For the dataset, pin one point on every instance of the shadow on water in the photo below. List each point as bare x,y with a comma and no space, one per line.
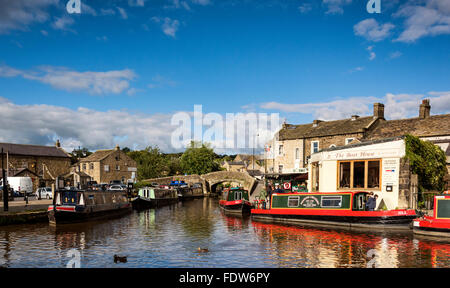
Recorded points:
171,237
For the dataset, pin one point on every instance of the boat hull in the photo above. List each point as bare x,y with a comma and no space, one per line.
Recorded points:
396,219
145,203
67,214
236,207
430,226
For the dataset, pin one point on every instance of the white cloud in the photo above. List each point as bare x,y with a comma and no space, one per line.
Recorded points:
169,26
395,54
372,54
201,2
397,106
109,82
430,19
160,81
356,69
62,23
305,8
107,12
335,6
20,14
43,124
371,30
138,3
123,13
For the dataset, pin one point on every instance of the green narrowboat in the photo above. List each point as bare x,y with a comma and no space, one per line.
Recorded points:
333,208
152,197
236,201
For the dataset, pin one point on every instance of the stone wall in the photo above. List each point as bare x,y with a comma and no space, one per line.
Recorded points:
404,185
46,168
118,163
327,141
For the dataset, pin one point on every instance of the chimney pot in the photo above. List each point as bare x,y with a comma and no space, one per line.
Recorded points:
57,144
424,109
378,110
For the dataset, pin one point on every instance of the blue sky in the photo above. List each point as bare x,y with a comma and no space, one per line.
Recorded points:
146,60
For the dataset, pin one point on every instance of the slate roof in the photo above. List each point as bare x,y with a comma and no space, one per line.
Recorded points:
97,156
326,128
421,127
33,150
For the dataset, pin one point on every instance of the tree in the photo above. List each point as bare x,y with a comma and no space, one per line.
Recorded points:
79,153
428,161
150,162
199,159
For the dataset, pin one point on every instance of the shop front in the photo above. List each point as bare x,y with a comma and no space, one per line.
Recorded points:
374,166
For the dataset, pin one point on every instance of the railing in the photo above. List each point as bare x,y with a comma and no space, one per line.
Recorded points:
427,198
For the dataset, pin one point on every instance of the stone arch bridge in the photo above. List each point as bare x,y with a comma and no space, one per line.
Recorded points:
210,180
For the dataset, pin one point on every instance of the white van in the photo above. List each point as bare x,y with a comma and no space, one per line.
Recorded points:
21,184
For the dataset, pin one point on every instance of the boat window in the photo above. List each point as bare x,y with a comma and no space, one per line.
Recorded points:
238,195
293,201
331,201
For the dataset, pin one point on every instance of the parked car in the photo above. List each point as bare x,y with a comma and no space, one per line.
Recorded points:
116,188
46,192
115,182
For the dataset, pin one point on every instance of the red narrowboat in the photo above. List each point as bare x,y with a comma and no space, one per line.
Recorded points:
439,223
331,209
236,201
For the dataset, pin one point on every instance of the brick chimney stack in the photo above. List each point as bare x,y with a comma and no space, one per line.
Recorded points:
378,110
117,147
424,110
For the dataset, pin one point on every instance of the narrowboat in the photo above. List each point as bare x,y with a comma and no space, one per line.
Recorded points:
439,223
345,209
235,201
186,192
152,197
70,206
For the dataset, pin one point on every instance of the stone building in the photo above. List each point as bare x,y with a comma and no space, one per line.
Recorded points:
105,166
42,163
378,166
290,149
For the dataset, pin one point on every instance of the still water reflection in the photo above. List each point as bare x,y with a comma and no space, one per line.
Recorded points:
170,237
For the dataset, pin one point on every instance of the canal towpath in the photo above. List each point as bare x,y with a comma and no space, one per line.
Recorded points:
19,212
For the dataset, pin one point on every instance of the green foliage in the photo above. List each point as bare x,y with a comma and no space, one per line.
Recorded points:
199,159
79,153
150,163
428,161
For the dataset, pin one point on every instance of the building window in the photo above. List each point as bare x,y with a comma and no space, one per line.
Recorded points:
280,150
359,174
91,166
314,146
297,153
117,168
106,168
84,166
280,169
348,140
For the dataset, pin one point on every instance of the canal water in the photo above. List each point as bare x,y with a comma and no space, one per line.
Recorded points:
170,237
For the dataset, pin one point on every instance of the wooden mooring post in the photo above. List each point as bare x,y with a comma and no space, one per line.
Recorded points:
5,186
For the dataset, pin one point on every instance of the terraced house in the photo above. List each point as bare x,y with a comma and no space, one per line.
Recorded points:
289,151
105,166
